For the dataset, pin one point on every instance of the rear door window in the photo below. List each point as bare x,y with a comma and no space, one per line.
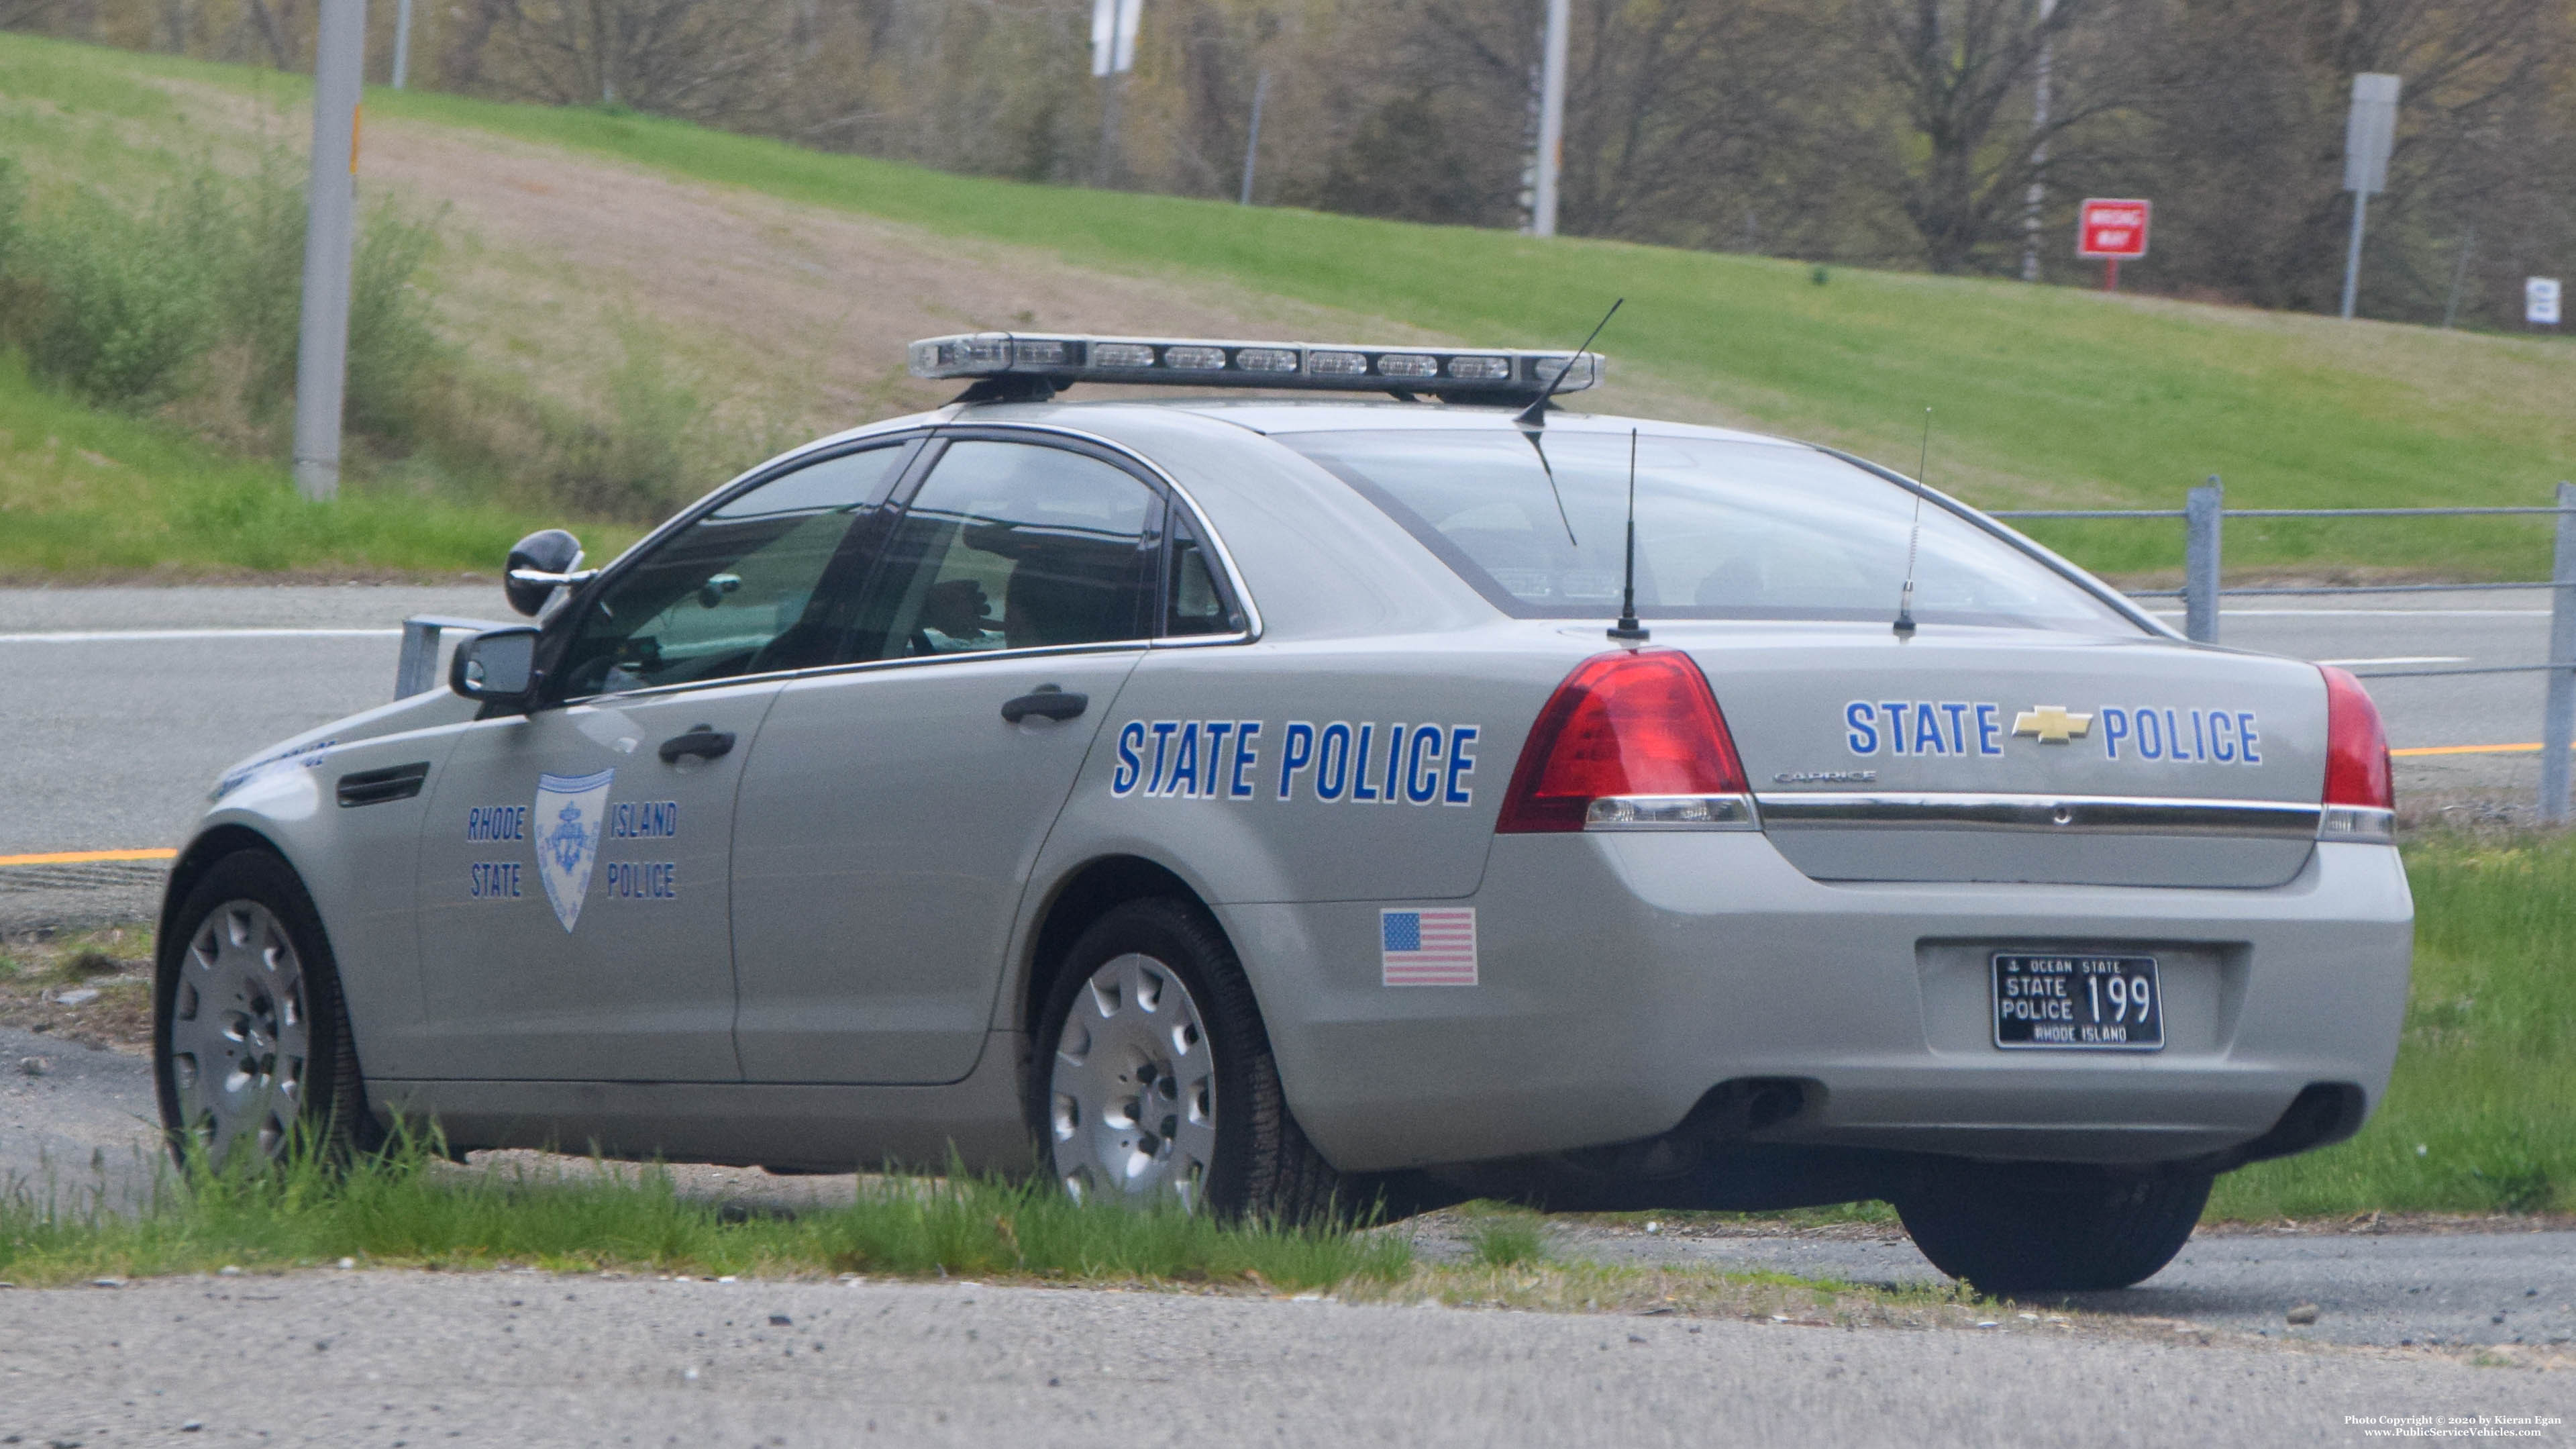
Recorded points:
1014,546
1725,529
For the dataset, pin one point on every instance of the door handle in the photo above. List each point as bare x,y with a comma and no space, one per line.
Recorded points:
704,741
1049,700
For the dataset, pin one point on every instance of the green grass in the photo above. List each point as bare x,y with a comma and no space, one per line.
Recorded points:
86,492
407,1209
2041,394
1505,1237
2478,1117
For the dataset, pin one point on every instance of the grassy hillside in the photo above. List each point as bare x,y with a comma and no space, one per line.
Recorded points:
2040,395
88,493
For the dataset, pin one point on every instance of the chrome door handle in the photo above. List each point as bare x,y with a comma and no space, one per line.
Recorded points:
1049,700
704,741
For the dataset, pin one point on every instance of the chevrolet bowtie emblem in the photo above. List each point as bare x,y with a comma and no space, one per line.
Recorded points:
2052,724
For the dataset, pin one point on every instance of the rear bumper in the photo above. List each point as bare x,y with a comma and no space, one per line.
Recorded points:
1621,977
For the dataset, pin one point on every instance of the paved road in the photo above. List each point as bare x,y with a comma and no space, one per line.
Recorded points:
520,1358
124,704
2391,1289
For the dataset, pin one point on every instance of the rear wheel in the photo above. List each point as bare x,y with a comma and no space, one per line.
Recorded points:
1155,1081
2005,1231
250,1038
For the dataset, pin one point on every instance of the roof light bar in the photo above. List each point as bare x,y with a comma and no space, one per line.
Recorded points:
1014,365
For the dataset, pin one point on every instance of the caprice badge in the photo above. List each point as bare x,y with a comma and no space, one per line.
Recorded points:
1826,777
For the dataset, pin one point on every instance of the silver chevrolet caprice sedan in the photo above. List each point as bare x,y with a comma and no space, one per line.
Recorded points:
1274,802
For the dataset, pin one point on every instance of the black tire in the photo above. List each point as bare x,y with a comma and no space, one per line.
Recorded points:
323,1093
1262,1168
2008,1231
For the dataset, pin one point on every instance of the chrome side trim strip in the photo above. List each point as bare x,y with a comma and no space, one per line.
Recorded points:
2082,814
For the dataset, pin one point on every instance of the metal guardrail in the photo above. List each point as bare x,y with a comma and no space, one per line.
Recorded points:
2204,516
417,669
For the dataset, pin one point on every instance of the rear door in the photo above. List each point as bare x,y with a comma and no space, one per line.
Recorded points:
892,809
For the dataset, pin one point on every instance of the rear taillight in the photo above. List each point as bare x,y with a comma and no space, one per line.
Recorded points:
2359,799
1632,740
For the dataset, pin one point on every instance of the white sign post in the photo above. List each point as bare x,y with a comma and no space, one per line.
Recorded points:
2540,301
1113,54
2369,133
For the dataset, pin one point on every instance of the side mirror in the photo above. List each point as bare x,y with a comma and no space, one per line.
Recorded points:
499,667
541,563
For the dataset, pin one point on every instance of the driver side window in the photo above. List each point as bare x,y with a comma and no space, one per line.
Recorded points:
740,591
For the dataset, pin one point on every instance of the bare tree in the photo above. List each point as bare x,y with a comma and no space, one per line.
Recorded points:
1961,71
682,57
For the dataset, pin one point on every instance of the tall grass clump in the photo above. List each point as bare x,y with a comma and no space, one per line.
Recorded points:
130,308
2477,1114
406,1206
1505,1238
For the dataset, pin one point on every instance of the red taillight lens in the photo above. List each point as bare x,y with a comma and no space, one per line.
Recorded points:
1633,722
2356,746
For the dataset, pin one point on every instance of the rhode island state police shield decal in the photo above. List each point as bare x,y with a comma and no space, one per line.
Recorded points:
570,809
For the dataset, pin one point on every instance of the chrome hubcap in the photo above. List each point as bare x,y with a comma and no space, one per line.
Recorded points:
1132,1095
238,1036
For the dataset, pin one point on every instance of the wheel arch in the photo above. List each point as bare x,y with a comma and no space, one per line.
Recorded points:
1085,894
200,856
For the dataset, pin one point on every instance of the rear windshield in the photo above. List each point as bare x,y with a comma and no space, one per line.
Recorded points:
1725,530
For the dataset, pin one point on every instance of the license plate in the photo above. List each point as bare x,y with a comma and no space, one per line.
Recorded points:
2078,1003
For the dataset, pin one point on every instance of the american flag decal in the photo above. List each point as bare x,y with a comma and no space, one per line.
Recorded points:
1427,948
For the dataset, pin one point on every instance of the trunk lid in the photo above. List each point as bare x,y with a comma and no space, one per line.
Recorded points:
1980,754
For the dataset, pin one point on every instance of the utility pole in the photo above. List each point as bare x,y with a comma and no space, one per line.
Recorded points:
1551,118
2038,192
1113,54
2369,131
1252,143
402,42
331,204
2459,277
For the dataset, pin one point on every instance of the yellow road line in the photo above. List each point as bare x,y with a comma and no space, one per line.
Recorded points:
87,857
2530,749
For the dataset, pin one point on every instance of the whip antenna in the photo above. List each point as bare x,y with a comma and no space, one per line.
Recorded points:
1914,534
1535,415
1628,630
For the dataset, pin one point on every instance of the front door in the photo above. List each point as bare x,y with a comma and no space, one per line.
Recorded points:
893,808
575,894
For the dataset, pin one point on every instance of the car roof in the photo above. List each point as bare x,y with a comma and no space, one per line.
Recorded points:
1270,416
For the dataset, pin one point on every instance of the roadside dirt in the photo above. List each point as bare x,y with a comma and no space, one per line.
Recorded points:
789,319
87,988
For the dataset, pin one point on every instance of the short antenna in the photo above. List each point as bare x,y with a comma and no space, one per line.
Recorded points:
1535,415
1914,534
1628,630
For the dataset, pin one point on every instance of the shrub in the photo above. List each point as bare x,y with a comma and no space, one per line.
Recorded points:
116,306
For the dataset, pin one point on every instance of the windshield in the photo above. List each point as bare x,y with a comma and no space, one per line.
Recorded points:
1725,530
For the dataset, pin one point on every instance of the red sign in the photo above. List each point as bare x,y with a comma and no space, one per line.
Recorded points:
2114,229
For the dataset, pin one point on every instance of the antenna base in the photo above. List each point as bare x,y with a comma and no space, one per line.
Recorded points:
1628,631
1905,626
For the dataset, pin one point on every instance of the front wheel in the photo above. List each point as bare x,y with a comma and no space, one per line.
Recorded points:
250,1041
2004,1232
1154,1080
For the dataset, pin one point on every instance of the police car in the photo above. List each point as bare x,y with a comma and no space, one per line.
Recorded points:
1269,801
